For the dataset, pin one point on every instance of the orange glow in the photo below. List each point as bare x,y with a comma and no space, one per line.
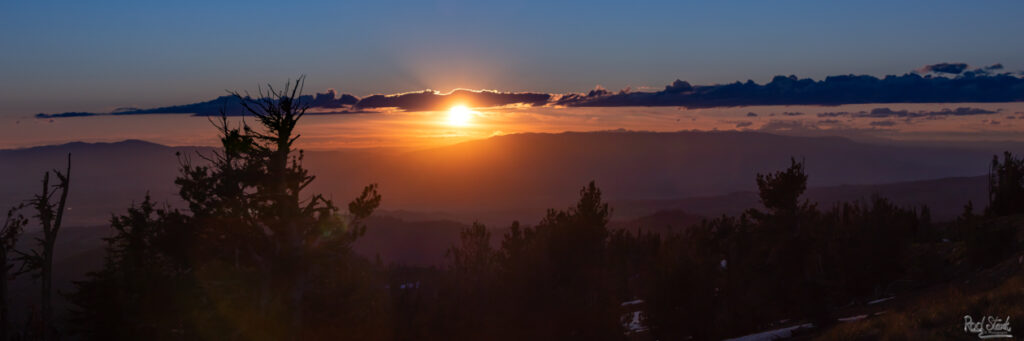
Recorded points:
414,130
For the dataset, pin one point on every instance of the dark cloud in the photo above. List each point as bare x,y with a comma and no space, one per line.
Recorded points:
821,129
886,112
994,67
978,85
950,68
678,87
984,71
330,99
792,114
429,100
743,124
886,123
841,114
65,114
833,90
331,102
124,109
230,105
781,126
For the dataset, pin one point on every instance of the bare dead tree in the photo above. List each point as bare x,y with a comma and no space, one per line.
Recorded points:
50,217
278,111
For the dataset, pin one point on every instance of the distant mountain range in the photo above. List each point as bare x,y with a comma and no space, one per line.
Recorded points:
500,179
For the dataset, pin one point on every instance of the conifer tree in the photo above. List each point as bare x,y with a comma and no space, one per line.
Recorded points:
12,228
249,203
1005,186
254,257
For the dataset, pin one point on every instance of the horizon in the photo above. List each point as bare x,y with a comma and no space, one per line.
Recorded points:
899,123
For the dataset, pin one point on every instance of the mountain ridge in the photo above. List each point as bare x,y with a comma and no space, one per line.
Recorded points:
514,176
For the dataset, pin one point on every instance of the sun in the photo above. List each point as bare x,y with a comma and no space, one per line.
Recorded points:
460,115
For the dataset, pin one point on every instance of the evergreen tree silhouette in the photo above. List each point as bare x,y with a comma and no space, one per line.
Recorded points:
14,223
253,188
1005,186
254,243
780,192
558,271
146,288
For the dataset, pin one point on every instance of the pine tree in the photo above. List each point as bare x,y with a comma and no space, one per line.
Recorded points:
1005,186
249,202
12,228
267,256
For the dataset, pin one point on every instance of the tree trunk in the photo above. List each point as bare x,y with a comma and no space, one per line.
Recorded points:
4,302
296,279
298,291
46,315
50,241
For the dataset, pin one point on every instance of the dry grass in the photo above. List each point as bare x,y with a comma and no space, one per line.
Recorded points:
939,316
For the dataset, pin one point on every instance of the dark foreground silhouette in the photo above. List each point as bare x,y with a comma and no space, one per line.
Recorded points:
254,257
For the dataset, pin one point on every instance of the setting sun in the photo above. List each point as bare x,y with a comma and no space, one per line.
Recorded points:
459,115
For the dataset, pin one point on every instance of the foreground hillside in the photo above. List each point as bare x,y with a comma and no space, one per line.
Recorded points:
938,311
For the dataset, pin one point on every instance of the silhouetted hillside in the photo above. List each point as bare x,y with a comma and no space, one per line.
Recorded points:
421,243
503,178
109,176
945,197
666,221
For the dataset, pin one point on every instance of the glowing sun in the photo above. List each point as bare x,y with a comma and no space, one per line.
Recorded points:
460,115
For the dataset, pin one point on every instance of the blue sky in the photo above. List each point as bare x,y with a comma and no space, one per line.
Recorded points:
78,56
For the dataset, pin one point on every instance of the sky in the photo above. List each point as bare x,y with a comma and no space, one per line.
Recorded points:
97,56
